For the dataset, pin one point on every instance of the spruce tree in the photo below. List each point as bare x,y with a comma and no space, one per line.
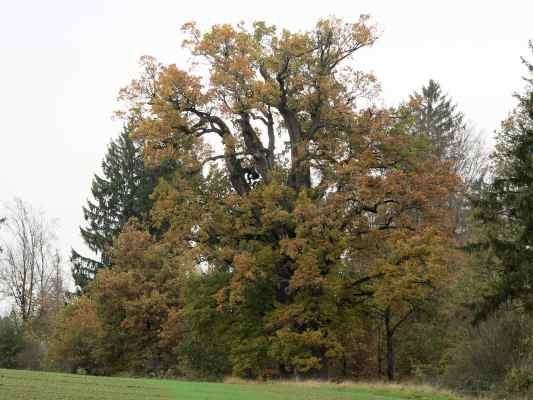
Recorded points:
505,209
438,117
122,192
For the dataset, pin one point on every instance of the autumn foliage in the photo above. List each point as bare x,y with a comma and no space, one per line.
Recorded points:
301,216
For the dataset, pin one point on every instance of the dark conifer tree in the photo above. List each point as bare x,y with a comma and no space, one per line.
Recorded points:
438,118
505,209
122,192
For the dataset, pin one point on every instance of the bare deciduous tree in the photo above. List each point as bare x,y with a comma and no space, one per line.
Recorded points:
470,155
28,264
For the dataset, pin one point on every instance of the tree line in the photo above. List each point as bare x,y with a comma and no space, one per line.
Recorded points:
270,220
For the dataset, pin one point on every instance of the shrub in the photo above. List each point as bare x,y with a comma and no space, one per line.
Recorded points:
76,342
11,342
493,356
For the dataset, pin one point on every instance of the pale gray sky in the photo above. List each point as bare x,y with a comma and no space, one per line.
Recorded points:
62,63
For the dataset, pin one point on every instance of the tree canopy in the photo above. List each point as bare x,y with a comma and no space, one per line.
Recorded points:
263,215
348,207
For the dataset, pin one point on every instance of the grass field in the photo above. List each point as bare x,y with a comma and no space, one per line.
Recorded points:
25,385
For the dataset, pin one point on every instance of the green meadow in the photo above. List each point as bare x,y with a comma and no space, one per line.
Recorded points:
26,385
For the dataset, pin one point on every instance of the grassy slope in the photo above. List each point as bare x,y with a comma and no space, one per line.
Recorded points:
18,385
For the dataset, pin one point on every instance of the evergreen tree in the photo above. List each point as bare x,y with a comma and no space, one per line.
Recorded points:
121,193
505,209
437,116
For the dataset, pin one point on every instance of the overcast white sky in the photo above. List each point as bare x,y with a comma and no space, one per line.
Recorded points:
62,63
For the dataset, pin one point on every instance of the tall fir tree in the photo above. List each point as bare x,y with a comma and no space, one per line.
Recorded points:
438,117
121,193
504,209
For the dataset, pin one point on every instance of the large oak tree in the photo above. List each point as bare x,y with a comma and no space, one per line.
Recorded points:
304,198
